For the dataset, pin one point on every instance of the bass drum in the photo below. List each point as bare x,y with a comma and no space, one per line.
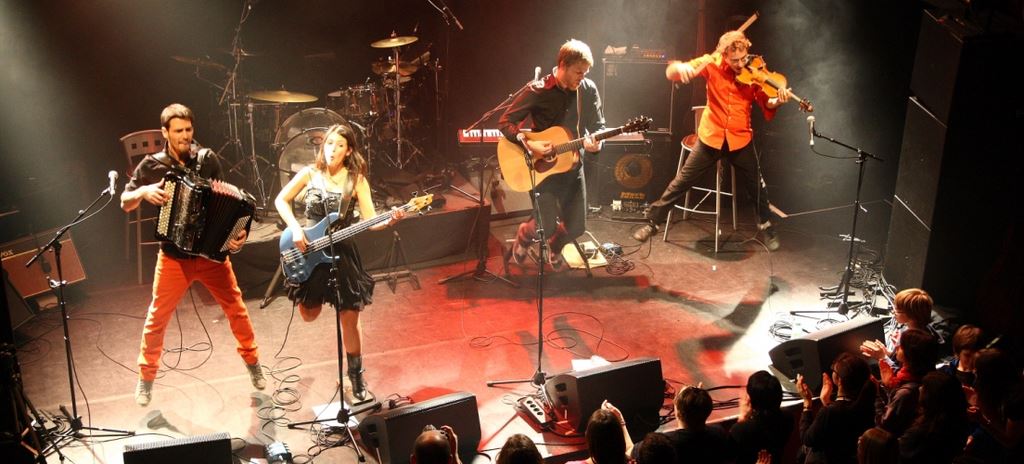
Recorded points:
301,135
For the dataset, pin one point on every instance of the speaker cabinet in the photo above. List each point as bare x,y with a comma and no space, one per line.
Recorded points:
812,354
391,434
631,88
632,173
636,387
211,449
31,281
960,168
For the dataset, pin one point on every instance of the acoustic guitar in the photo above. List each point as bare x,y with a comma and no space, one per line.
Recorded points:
516,167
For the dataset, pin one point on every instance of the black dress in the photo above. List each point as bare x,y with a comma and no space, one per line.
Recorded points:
355,285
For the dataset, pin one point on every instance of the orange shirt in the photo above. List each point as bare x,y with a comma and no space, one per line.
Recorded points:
727,116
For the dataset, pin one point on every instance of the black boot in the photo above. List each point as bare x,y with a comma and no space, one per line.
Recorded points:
355,376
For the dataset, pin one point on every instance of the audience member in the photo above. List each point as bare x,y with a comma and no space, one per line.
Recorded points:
1000,409
831,435
656,448
519,449
939,433
912,309
606,436
877,446
967,340
896,407
761,425
434,446
694,440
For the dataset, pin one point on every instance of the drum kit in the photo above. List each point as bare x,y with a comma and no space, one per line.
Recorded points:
285,123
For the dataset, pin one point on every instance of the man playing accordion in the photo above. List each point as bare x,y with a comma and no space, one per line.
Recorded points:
175,269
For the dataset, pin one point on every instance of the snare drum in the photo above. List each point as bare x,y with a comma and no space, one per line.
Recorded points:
357,101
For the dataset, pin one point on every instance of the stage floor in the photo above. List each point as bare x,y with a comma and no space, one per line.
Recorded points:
706,316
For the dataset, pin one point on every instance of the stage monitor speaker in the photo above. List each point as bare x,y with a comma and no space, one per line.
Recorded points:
213,448
812,354
636,387
631,88
31,281
391,434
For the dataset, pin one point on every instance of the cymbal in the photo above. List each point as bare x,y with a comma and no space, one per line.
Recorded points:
392,42
281,96
203,62
241,51
382,67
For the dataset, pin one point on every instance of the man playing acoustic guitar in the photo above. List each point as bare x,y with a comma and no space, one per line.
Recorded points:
565,98
724,131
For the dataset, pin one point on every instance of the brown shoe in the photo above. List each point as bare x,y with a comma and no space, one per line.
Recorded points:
645,232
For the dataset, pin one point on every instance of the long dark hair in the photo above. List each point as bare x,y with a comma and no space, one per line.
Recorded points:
354,162
941,400
604,438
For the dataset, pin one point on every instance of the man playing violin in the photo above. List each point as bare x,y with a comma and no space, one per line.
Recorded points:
724,132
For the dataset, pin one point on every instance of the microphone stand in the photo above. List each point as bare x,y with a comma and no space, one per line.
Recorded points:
843,289
58,285
344,413
539,377
481,255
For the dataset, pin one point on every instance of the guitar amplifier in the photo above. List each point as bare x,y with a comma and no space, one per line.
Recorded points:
630,173
631,87
31,281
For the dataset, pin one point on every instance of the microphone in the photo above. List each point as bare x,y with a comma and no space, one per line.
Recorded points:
536,73
810,126
113,180
521,137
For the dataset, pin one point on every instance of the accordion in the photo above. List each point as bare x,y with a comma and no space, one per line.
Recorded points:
202,216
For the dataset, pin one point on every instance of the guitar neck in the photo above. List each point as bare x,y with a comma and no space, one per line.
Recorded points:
577,144
324,242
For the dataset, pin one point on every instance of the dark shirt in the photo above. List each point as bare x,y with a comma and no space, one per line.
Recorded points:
546,105
153,168
762,431
710,445
895,410
937,442
832,433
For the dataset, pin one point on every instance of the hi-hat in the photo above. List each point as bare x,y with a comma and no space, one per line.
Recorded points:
282,96
392,42
382,67
201,62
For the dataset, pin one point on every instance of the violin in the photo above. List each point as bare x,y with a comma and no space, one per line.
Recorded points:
756,72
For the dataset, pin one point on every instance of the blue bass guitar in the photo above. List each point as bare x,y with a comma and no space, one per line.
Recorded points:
298,266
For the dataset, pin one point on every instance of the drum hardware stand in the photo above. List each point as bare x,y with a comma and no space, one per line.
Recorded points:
842,291
74,420
235,134
396,259
344,413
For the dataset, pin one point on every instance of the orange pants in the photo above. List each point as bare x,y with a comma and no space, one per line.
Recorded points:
171,279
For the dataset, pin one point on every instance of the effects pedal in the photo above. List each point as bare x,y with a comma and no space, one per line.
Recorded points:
534,410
